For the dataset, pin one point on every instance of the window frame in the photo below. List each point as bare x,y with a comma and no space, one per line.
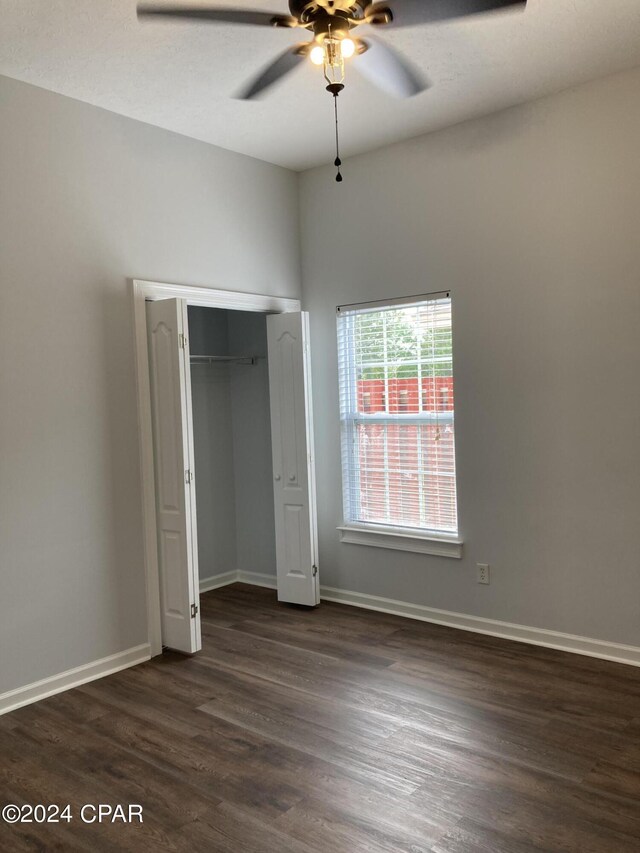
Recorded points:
413,539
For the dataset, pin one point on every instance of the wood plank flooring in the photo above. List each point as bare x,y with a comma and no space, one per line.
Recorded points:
336,730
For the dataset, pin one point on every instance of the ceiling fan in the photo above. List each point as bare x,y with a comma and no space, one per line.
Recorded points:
331,24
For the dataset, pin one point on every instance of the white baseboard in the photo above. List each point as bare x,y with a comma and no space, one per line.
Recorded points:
216,581
252,578
507,630
258,579
73,678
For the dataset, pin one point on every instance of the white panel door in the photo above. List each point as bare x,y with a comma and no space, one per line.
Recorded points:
293,464
173,455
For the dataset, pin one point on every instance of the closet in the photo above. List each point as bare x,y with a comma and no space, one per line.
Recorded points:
232,446
234,477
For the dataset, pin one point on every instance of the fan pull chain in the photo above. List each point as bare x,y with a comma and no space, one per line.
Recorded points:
335,89
337,162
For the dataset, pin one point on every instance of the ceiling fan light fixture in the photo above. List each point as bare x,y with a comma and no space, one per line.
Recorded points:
334,63
332,53
331,23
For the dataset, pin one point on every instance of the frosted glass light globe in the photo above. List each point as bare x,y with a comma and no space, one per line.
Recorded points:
347,47
317,55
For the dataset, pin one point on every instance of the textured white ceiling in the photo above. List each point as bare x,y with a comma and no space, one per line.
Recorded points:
182,76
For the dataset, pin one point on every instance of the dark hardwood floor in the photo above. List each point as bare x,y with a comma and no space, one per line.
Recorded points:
336,729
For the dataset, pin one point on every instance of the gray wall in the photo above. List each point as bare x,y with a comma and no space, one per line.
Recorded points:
531,218
255,525
208,332
90,198
214,469
213,443
232,443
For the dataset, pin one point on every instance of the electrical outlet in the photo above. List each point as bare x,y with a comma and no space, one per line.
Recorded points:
484,575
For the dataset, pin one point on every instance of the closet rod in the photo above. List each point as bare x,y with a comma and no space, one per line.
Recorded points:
211,359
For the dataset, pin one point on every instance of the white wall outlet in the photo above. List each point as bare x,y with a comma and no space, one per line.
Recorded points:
484,575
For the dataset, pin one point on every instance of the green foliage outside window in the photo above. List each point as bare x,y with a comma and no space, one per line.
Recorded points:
407,343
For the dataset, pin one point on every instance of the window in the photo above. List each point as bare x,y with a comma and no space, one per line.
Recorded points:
397,416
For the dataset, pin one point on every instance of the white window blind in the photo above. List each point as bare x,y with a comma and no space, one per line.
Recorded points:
397,414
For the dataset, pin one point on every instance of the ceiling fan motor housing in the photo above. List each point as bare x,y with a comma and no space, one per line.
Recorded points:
308,10
338,16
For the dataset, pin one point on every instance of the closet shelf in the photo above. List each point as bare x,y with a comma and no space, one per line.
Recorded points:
213,359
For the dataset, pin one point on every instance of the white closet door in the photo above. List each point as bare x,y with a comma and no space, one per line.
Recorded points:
293,465
175,492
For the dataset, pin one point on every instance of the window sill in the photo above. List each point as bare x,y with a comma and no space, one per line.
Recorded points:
402,540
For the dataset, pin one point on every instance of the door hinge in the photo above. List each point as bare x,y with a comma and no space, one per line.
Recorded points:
182,341
315,571
188,476
194,611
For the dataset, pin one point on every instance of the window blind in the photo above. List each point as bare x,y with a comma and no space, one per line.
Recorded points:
397,414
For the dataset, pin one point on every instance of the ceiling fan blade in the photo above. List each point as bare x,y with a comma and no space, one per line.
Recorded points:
388,70
408,13
212,13
275,71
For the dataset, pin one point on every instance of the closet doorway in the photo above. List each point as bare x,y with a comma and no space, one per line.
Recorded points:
229,439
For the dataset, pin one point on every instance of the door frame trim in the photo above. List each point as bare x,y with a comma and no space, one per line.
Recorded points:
209,297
